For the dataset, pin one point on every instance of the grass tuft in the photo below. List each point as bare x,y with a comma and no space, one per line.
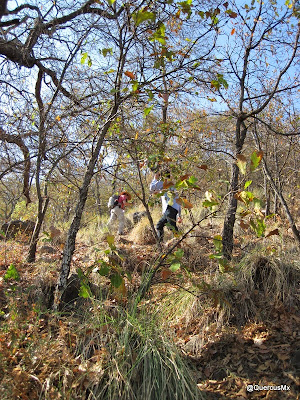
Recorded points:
138,361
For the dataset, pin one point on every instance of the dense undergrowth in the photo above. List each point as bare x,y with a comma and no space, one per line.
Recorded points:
198,333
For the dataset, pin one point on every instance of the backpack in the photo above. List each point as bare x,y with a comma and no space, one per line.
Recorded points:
113,201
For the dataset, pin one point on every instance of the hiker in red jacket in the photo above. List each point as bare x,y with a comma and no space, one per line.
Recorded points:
117,211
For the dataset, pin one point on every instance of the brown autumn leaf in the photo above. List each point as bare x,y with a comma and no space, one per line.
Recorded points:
243,225
185,203
184,177
167,184
238,196
129,74
203,166
273,232
165,273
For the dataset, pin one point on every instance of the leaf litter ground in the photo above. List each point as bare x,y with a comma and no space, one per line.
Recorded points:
226,357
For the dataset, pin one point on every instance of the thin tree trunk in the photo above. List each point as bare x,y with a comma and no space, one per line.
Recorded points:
230,217
278,193
98,197
267,196
42,207
36,233
280,197
75,225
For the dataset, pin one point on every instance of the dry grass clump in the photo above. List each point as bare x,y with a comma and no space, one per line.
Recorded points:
142,233
134,359
263,284
259,287
103,351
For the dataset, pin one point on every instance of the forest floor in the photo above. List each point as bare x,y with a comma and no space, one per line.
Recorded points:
226,355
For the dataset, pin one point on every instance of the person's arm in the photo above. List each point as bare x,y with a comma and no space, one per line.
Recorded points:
156,185
179,219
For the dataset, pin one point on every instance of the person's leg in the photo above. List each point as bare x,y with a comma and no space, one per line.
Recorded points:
171,215
121,217
160,227
112,218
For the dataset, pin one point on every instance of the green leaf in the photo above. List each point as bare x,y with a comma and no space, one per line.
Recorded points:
247,184
116,280
111,2
241,162
256,158
217,241
223,265
208,203
192,179
150,94
107,51
12,273
179,253
105,269
159,34
141,16
186,7
222,81
110,240
175,266
258,226
147,110
217,256
85,291
215,84
135,86
84,56
80,273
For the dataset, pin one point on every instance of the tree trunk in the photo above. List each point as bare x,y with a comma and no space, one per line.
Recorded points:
267,196
35,236
230,217
229,221
70,242
98,197
280,197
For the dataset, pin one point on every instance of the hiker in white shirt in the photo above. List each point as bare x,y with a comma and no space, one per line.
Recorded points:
171,210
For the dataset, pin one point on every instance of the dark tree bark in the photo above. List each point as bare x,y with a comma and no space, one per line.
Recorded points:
230,217
75,225
36,233
98,196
